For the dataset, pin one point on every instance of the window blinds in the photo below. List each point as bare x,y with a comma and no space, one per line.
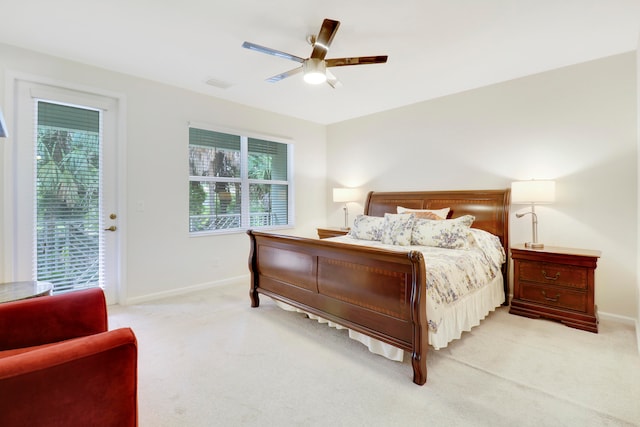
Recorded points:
237,181
68,196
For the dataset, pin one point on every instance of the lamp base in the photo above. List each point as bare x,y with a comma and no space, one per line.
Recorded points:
534,245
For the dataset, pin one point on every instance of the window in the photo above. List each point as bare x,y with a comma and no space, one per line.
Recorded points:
238,182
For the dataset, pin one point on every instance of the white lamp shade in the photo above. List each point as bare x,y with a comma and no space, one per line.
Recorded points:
534,191
315,71
344,195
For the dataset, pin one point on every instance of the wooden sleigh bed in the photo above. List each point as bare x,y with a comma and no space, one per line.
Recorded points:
376,292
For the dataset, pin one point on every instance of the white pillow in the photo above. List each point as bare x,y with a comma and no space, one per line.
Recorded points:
397,229
448,233
367,227
442,213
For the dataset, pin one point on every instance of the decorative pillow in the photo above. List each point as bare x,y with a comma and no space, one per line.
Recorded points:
397,229
449,233
367,227
425,213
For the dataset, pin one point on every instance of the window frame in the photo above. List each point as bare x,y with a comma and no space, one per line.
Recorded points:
244,180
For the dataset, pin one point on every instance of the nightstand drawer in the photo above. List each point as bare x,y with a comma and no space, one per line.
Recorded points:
554,296
555,274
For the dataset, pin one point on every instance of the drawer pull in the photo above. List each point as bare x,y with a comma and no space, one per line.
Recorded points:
544,274
544,294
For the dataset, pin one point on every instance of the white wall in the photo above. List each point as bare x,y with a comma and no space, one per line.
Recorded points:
161,258
576,125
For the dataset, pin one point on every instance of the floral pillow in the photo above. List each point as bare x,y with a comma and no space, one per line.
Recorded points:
367,227
449,233
397,229
426,213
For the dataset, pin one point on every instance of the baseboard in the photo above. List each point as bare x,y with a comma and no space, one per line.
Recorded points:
186,290
246,278
617,318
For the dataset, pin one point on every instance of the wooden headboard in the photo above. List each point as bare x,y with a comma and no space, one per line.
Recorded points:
489,207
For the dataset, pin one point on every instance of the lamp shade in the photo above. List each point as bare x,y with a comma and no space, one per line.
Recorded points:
3,127
344,195
315,71
533,191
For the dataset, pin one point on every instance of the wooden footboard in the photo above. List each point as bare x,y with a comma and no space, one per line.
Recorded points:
376,292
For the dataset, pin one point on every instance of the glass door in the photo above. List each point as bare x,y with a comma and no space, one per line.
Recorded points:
66,219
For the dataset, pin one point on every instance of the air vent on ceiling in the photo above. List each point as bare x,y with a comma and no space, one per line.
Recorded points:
218,83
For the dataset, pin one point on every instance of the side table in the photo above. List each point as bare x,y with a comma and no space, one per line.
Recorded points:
555,283
12,291
326,232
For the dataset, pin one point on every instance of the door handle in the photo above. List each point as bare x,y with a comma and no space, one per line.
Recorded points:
112,228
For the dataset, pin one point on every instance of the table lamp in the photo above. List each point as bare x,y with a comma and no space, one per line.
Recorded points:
534,192
345,195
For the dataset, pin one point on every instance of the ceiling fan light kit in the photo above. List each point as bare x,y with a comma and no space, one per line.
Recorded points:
314,68
315,71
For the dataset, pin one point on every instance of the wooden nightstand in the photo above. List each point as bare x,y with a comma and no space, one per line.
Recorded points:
323,233
555,283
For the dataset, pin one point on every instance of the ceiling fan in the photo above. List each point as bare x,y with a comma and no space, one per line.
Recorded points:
315,67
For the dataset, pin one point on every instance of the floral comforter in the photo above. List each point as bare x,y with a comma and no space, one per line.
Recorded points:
451,273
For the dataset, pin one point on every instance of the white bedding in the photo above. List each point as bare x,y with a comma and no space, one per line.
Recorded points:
463,286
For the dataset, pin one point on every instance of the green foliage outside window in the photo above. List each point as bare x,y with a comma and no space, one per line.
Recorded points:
217,183
67,207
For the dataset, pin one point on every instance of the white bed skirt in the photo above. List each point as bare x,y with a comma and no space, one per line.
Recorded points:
457,318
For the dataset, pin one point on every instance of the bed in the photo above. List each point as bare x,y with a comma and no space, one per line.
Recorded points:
377,292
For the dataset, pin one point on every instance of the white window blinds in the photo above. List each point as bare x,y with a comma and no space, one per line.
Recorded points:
237,182
68,193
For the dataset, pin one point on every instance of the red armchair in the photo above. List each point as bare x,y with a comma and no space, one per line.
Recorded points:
59,366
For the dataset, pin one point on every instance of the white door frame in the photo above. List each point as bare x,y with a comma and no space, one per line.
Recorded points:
16,261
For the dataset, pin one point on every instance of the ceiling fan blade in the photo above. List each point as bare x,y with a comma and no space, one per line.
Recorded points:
362,60
284,75
324,39
269,51
333,80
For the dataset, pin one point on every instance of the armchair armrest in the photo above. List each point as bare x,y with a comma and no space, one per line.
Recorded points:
85,381
44,320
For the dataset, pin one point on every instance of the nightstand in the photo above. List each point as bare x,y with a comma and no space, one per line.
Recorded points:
325,232
555,283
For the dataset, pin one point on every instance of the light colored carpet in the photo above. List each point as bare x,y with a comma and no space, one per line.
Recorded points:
209,359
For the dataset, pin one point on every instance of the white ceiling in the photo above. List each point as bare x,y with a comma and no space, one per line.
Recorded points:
435,47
